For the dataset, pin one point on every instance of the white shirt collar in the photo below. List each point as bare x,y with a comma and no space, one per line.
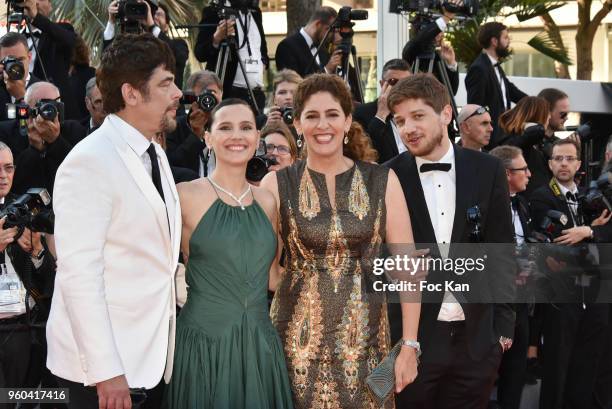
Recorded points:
449,157
493,60
307,37
137,141
564,190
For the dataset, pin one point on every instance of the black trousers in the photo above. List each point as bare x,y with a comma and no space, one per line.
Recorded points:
574,342
448,377
15,353
243,93
86,397
603,389
514,363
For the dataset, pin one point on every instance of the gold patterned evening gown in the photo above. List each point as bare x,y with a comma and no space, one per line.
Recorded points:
334,332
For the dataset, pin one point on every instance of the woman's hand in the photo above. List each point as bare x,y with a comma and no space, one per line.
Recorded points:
405,368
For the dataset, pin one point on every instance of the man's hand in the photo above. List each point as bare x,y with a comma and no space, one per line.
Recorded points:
49,131
30,8
16,88
382,110
405,368
149,22
224,29
7,236
334,62
574,235
30,242
603,218
448,53
36,141
274,116
114,393
197,120
113,9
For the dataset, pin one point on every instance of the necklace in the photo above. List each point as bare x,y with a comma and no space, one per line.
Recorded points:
230,194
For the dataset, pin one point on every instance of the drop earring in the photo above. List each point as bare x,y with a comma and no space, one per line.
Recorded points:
346,138
299,141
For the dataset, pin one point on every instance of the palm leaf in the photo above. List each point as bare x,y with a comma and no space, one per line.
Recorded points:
545,45
533,8
464,41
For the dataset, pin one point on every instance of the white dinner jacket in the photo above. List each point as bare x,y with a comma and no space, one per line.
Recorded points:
113,309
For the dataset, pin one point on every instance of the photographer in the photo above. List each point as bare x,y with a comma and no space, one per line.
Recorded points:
524,126
93,103
157,22
295,52
284,85
26,264
376,118
573,332
248,34
426,36
185,145
15,64
55,43
49,140
486,82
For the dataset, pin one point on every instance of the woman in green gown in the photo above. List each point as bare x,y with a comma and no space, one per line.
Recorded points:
228,355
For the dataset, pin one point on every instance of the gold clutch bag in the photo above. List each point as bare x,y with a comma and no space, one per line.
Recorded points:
381,380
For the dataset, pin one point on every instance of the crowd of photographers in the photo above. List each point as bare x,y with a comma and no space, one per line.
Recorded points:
52,102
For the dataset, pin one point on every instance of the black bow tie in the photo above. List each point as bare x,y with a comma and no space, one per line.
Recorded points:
442,167
497,64
570,197
313,46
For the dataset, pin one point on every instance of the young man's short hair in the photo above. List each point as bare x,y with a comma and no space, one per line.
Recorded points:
420,86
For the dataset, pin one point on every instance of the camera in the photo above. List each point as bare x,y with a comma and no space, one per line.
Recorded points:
287,114
346,14
13,68
598,196
31,210
430,8
48,109
130,14
15,13
206,100
258,166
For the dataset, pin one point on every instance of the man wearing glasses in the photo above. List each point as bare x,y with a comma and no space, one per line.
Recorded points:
573,326
475,126
559,109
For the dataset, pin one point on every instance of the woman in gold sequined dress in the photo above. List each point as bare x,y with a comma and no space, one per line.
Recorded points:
335,211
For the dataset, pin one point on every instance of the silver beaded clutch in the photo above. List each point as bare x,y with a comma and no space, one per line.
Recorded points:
381,380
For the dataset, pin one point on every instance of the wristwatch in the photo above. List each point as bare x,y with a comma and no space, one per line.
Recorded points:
506,343
412,344
40,255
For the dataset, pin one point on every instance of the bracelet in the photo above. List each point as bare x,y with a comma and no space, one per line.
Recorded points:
412,344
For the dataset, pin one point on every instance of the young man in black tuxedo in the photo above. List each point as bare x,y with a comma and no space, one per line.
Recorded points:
486,83
375,117
514,363
462,342
574,326
297,50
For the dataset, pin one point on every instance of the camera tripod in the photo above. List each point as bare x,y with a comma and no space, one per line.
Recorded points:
435,61
228,48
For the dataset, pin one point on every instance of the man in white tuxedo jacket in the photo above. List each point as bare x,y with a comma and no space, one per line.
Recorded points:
117,230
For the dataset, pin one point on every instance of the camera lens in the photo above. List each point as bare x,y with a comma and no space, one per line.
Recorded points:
48,111
287,114
207,101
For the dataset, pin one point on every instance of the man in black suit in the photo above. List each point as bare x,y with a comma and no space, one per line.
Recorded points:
177,45
296,51
14,45
425,37
485,82
55,43
49,143
375,117
185,145
514,363
462,342
247,29
574,326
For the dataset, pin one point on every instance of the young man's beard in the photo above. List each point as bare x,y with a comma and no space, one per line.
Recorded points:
502,52
429,145
168,124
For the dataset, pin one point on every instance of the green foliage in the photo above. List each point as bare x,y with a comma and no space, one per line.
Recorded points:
464,37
